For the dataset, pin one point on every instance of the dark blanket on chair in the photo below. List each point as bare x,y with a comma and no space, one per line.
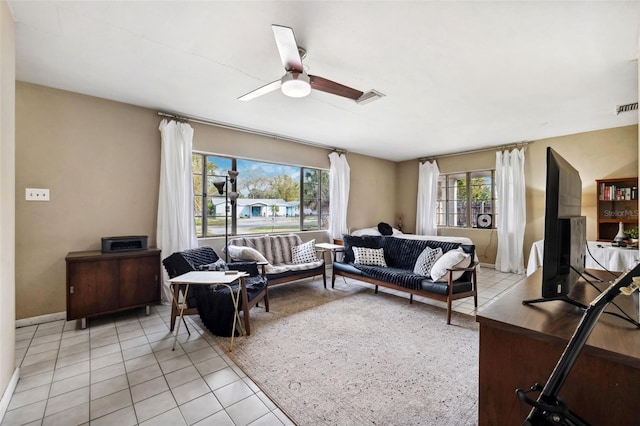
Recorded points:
213,302
216,308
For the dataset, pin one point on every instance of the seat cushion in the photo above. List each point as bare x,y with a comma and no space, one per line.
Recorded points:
400,277
293,270
443,288
347,268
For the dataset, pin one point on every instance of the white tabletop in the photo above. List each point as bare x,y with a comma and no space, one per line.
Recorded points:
207,277
329,246
599,255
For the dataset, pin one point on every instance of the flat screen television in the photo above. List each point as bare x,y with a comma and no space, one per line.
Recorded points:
564,230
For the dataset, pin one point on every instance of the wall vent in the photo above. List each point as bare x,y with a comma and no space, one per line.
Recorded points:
626,108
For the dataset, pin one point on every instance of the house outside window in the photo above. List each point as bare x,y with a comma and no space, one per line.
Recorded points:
272,197
465,197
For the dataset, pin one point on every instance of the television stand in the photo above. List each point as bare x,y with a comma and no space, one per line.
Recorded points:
593,277
579,305
536,337
551,299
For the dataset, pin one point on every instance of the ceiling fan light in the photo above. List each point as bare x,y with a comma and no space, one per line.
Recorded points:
296,84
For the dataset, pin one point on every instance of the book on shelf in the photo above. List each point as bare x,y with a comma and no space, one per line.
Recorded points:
613,193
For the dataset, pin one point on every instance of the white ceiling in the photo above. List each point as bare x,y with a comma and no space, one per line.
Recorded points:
457,75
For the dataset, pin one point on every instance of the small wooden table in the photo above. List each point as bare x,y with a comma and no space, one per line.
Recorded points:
333,248
224,278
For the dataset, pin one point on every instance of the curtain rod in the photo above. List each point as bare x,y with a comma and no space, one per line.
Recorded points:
475,151
185,118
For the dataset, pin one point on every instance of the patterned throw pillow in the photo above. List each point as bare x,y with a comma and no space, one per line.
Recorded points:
451,259
426,260
368,256
304,253
218,265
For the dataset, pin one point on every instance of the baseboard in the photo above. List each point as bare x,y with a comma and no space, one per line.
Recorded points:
25,322
8,393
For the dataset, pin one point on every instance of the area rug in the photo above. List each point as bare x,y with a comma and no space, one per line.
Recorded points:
347,356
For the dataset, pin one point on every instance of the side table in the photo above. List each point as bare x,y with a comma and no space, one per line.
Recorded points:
328,247
333,248
224,278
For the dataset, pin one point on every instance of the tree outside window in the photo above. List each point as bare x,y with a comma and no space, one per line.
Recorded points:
272,197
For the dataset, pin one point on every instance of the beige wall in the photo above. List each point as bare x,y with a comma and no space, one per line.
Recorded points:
100,160
486,240
596,155
7,189
372,195
372,187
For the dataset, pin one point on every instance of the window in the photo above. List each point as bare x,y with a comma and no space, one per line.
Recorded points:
272,197
464,196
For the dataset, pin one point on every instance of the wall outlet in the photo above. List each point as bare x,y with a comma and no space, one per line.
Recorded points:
36,194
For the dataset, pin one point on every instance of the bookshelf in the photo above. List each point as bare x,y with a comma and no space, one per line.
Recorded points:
617,202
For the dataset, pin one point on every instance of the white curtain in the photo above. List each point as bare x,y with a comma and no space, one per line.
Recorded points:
428,174
176,226
511,210
339,178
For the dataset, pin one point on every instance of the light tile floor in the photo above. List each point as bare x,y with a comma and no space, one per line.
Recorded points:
121,371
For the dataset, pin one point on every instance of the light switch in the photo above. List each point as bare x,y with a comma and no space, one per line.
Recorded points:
36,194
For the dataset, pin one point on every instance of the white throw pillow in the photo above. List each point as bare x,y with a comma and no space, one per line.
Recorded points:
426,260
245,253
451,259
368,256
304,253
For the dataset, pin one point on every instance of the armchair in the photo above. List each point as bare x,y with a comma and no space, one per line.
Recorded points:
213,303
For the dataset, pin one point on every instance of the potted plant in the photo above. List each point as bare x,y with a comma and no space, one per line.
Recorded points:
632,234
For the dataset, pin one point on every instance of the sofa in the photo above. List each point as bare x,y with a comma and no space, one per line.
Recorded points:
213,303
284,258
418,267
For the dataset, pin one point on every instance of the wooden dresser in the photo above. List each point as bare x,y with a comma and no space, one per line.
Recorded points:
100,283
520,345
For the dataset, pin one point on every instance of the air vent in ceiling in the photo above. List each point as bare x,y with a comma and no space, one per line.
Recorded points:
626,108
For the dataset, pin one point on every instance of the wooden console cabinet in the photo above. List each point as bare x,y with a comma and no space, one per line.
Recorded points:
520,345
100,283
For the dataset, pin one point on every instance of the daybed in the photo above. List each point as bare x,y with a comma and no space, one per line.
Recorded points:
284,258
213,302
412,266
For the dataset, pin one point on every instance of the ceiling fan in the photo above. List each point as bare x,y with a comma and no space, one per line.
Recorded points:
296,83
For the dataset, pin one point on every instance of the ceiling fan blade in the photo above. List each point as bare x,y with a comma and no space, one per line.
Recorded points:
324,85
274,85
288,48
